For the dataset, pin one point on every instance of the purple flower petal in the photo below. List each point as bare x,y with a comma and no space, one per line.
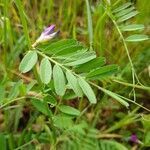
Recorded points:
49,30
134,138
47,35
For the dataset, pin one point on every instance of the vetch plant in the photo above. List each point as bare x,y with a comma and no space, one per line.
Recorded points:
67,65
70,65
69,96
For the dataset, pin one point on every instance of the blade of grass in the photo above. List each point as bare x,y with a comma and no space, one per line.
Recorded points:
99,31
24,22
5,2
90,24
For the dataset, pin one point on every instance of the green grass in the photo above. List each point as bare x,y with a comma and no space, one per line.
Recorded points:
104,125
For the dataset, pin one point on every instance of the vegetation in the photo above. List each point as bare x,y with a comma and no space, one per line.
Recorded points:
84,86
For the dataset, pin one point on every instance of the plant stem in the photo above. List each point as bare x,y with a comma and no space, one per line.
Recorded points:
127,51
134,103
24,145
132,85
11,101
98,87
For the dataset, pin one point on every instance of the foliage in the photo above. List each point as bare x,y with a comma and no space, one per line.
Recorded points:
75,91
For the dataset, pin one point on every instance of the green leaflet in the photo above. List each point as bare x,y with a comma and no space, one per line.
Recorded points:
111,144
56,47
132,27
78,128
41,106
69,110
73,82
124,12
59,80
122,7
69,50
63,121
72,56
87,90
127,16
93,64
137,38
45,71
113,95
83,59
102,72
28,61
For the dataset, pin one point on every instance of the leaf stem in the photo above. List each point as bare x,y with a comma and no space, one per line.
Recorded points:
132,85
134,75
11,101
98,87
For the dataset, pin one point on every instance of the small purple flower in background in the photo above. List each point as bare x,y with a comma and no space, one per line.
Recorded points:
46,35
134,138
